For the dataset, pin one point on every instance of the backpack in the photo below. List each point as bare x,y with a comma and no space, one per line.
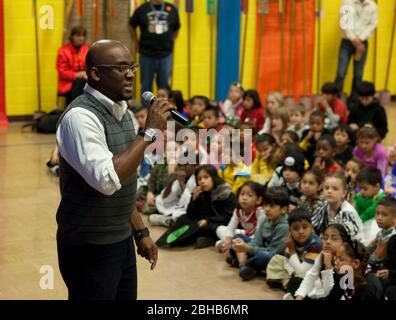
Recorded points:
44,122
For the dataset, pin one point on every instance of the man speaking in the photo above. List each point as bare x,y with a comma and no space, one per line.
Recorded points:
99,154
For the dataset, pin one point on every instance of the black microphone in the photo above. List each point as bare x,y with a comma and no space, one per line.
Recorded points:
148,98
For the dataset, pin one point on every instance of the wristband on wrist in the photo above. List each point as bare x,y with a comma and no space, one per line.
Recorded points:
140,234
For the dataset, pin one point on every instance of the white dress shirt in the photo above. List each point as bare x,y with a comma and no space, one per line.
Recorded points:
82,143
358,19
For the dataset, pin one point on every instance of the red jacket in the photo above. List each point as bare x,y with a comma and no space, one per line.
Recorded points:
340,108
68,63
254,116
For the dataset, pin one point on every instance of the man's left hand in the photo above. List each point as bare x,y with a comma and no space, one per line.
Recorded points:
148,250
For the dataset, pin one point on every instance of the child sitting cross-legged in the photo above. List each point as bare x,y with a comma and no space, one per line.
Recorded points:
302,248
269,237
385,217
248,214
324,153
311,187
314,285
351,259
369,181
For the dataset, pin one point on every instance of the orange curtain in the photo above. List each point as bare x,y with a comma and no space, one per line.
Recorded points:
269,57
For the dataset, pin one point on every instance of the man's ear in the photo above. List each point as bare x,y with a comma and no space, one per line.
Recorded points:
94,73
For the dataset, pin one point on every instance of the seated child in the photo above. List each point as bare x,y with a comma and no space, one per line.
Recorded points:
385,217
232,106
312,135
325,150
211,118
197,108
252,110
365,286
387,275
314,282
302,248
291,173
268,239
264,164
311,187
365,201
352,169
248,214
297,120
334,108
369,150
232,170
289,136
173,200
279,123
343,136
336,209
274,101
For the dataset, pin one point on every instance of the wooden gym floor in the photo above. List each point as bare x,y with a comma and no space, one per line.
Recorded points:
29,197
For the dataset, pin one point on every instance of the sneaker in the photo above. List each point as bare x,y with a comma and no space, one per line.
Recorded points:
288,296
158,220
247,273
204,242
232,261
219,245
275,284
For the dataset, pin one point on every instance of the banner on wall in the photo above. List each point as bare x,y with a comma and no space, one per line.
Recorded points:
286,50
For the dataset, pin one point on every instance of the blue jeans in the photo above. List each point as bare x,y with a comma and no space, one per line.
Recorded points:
99,272
260,260
153,66
347,50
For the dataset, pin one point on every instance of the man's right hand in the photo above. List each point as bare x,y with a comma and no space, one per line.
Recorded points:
159,114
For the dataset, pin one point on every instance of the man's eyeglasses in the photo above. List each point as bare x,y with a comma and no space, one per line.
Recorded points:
121,68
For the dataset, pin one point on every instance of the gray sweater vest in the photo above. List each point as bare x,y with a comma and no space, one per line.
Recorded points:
86,216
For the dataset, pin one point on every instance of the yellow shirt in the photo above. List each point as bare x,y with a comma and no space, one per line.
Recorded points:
235,175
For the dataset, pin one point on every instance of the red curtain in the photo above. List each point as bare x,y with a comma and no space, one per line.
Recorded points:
285,72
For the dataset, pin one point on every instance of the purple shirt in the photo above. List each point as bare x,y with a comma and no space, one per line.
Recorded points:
379,158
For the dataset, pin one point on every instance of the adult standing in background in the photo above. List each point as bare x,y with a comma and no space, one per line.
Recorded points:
70,63
159,25
358,21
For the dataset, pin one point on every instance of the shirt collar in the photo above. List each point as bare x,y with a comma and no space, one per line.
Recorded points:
117,109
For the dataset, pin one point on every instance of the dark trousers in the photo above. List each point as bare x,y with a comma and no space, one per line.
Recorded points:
154,66
99,272
346,51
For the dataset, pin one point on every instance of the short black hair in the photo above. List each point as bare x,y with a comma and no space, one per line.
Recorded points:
329,138
388,202
294,136
255,97
177,97
330,88
318,113
255,186
78,30
213,109
202,98
265,137
276,196
366,89
345,128
167,89
370,175
299,214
